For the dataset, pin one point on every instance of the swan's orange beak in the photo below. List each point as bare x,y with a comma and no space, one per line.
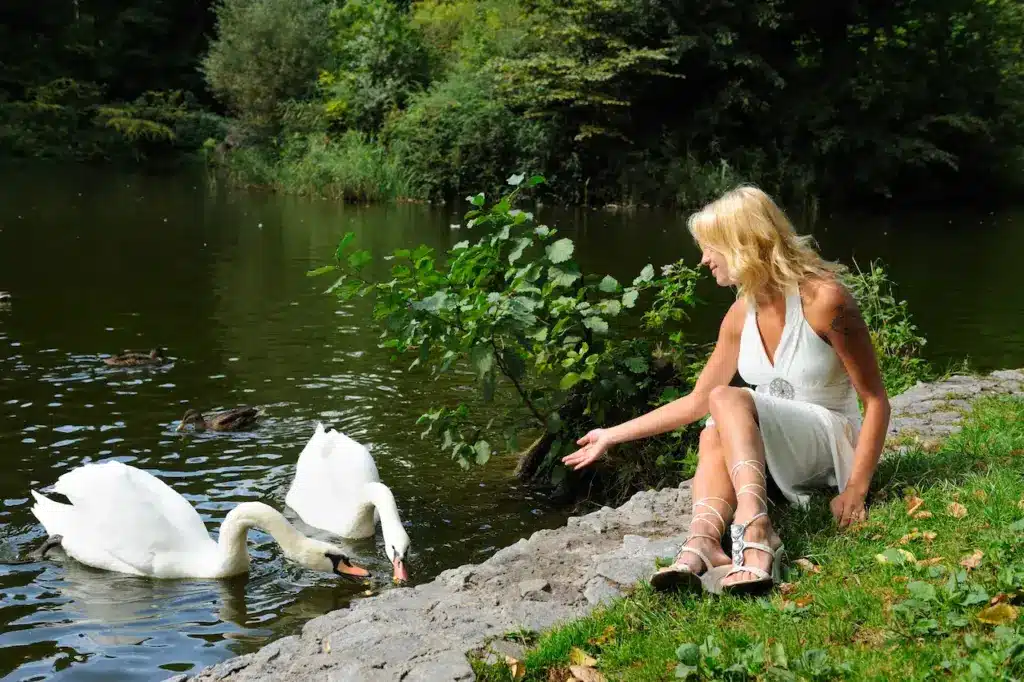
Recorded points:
400,574
349,570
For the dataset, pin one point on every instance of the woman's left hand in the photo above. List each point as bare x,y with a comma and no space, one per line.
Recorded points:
848,507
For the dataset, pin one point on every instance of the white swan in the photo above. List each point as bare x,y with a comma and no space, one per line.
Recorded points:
337,488
127,520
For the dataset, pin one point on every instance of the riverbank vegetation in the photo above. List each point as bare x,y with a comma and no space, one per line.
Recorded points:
558,348
930,587
616,101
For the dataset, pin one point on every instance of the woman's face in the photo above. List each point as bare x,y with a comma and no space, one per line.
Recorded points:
715,261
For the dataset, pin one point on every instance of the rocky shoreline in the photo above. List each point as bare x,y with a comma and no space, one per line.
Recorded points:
424,633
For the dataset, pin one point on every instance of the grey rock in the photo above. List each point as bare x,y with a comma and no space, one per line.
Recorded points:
600,591
537,589
1008,375
450,667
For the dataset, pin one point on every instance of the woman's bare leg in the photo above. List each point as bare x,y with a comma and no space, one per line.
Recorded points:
734,412
710,483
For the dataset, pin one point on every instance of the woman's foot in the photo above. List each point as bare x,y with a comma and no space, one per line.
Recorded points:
758,531
698,556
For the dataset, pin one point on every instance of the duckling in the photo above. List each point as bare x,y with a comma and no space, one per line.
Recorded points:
130,358
236,419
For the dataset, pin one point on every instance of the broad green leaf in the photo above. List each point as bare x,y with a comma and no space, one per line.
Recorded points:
1017,526
569,380
343,244
535,180
554,424
542,231
609,285
562,278
432,303
461,245
483,451
688,654
629,298
477,200
517,250
596,324
337,283
610,307
637,365
322,270
646,275
560,251
516,179
919,589
359,258
778,653
482,359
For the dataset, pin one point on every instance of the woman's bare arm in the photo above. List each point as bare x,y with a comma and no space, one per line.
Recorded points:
719,371
835,316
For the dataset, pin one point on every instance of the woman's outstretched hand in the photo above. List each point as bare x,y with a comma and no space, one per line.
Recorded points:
592,446
848,508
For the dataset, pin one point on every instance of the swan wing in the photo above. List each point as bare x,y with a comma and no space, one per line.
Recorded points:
327,489
132,516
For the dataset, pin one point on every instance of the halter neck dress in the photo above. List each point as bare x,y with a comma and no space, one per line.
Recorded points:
806,405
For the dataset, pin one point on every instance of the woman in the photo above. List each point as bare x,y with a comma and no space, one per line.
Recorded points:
796,334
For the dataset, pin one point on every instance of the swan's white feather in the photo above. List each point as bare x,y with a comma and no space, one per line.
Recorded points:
127,520
328,489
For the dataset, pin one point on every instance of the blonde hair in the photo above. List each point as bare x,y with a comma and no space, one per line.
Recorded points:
761,247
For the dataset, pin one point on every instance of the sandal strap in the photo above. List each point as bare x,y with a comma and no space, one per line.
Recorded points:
755,464
704,515
693,550
759,572
751,489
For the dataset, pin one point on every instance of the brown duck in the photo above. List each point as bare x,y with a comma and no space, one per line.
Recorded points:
235,419
131,358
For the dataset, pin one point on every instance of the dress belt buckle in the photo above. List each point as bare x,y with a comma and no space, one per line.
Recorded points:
780,388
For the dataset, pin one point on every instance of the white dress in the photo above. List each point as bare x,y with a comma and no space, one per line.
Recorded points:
806,405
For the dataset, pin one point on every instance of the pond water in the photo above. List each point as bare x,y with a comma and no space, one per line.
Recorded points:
98,261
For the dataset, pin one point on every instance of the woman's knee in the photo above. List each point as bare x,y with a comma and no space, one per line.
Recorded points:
726,401
710,444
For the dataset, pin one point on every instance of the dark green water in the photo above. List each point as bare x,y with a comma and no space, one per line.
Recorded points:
98,261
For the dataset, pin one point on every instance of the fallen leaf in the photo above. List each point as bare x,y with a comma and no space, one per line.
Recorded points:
913,504
578,656
804,600
998,614
910,537
584,674
972,560
895,556
326,646
786,588
929,535
956,510
558,674
516,667
980,494
869,636
807,566
998,599
607,636
368,593
929,562
1021,503
923,515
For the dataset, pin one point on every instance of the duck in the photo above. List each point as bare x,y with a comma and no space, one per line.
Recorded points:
235,419
126,520
336,488
5,296
131,358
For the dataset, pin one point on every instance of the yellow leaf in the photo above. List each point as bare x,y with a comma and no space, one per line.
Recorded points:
786,588
516,667
1021,503
998,614
957,510
929,562
910,537
972,560
929,535
807,566
980,494
923,515
913,504
585,674
580,657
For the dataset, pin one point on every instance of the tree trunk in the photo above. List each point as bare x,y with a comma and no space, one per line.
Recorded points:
530,458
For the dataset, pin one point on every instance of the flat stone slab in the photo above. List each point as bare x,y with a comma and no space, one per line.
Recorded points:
424,633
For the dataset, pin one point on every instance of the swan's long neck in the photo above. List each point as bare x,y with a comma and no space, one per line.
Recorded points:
247,515
379,495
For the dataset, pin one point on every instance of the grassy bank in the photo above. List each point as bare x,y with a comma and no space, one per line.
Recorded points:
928,588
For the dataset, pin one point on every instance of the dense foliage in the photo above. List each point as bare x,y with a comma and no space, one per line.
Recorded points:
95,79
511,306
659,101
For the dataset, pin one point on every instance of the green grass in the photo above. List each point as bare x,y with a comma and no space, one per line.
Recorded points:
867,611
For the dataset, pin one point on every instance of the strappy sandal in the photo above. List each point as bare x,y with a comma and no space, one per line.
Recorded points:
681,576
765,581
